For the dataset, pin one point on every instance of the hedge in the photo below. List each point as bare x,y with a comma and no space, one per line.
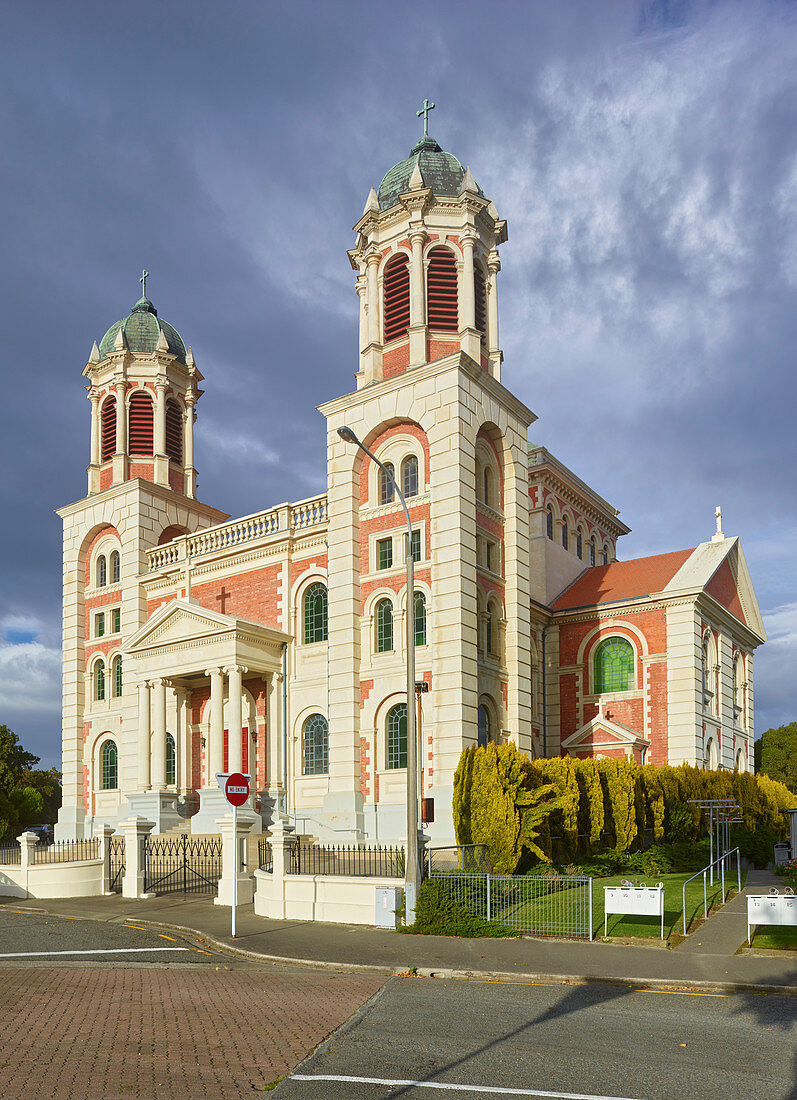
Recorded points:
599,804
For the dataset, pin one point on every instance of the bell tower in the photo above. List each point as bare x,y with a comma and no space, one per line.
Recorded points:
427,263
143,388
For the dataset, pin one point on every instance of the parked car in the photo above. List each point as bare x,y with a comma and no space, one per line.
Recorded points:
43,832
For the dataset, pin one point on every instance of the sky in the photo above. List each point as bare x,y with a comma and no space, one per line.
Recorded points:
645,158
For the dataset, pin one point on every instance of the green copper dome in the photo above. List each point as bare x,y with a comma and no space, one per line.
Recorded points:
141,331
440,170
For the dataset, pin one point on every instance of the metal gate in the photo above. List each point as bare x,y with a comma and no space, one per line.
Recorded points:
116,862
182,864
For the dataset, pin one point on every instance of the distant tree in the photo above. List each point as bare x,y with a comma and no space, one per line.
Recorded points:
27,794
777,755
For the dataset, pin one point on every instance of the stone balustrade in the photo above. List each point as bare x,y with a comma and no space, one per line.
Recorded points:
284,519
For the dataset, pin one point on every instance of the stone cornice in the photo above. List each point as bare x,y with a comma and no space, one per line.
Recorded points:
138,485
547,469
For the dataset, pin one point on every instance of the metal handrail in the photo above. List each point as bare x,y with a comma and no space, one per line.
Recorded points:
721,860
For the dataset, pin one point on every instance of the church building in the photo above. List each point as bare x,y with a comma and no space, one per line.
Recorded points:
274,644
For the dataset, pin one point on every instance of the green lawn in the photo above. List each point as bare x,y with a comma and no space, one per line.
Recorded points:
619,925
775,939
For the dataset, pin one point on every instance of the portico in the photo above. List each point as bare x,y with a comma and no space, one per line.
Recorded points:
210,700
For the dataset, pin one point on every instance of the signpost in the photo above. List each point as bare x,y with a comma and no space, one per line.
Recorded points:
236,791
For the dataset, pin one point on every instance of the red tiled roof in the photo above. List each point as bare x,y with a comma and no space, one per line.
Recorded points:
622,580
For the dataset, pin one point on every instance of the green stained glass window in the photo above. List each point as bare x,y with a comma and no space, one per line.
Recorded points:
416,545
614,666
316,745
386,484
171,760
315,614
420,618
384,553
384,626
100,680
100,624
116,620
110,780
397,736
117,667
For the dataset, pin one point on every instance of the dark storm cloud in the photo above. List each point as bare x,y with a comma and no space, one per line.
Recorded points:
643,154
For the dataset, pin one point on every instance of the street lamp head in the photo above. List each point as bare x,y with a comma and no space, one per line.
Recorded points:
348,436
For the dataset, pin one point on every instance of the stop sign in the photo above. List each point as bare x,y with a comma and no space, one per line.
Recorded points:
236,789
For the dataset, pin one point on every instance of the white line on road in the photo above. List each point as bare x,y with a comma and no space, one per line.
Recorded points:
104,951
492,1090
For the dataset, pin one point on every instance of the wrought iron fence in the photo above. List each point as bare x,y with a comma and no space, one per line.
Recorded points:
265,857
116,862
10,855
465,858
378,862
537,905
67,851
182,864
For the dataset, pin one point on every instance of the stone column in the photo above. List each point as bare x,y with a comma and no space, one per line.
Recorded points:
159,434
159,734
234,716
371,361
144,736
493,350
270,898
188,444
470,338
104,835
417,298
135,830
214,755
120,457
272,793
94,398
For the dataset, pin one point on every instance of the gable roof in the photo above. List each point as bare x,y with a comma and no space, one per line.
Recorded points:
621,580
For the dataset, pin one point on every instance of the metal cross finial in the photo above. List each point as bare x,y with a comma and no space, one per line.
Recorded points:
427,107
143,281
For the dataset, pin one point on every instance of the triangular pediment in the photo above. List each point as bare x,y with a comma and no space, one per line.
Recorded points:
600,730
180,621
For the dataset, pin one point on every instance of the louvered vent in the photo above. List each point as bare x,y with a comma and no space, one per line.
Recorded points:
480,298
441,291
174,432
108,429
396,293
140,422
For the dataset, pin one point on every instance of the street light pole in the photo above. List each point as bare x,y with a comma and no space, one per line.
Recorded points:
411,867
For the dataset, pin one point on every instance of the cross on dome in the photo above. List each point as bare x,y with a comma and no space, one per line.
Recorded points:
427,107
143,281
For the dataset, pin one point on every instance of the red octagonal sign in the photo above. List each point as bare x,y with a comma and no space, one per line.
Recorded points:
236,789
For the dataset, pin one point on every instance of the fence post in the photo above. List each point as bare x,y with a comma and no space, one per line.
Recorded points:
104,852
283,840
233,868
738,874
135,831
27,842
705,902
591,933
488,897
722,870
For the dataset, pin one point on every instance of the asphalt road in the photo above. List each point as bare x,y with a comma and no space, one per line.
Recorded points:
432,1039
28,939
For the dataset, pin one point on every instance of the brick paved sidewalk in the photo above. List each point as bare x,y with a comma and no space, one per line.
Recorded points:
118,1034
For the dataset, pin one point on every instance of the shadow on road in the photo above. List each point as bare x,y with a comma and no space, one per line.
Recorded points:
773,1012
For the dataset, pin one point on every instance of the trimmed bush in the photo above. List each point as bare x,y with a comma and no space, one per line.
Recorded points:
437,914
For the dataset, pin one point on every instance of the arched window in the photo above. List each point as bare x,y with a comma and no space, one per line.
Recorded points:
480,299
488,630
592,552
386,485
564,534
711,754
441,291
99,680
579,545
741,761
108,429
102,571
397,736
614,666
705,669
549,522
739,686
174,431
396,297
384,626
604,556
409,476
117,677
140,424
420,618
483,727
487,487
110,769
315,614
115,567
171,760
315,735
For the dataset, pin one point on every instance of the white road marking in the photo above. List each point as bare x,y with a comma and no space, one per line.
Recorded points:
492,1090
103,951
